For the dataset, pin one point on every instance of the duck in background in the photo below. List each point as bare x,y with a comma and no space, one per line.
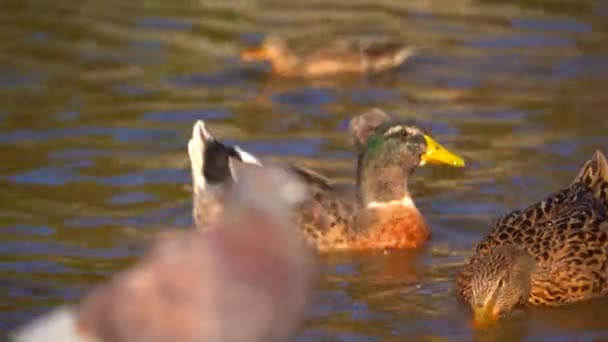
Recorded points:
248,278
338,57
380,214
552,253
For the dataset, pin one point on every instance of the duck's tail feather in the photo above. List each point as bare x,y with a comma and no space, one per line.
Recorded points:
383,56
594,174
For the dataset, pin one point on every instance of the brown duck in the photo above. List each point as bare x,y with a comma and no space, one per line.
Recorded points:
338,57
552,253
195,286
380,214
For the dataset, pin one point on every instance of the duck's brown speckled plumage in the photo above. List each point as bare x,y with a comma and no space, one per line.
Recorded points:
565,238
380,214
341,56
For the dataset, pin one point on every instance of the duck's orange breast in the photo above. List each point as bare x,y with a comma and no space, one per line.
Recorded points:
390,227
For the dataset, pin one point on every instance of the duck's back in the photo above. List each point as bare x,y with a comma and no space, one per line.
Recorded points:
567,234
353,56
324,218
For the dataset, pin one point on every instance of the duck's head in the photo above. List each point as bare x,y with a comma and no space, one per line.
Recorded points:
273,49
499,282
390,149
213,167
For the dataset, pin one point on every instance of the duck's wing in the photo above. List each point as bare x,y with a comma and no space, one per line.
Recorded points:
385,55
352,55
335,58
571,248
324,219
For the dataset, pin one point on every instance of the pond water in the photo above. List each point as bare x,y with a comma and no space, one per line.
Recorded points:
97,100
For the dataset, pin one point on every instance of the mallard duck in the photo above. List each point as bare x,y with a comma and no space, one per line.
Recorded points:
552,253
381,213
198,286
338,57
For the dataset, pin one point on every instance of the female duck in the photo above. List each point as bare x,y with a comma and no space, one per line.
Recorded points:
338,57
552,253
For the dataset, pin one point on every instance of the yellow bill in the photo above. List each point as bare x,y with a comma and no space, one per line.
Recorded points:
437,154
483,316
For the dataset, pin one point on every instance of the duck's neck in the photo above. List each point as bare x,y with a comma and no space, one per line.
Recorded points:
384,185
207,206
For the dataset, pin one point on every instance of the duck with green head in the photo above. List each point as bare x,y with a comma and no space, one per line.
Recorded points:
380,214
552,253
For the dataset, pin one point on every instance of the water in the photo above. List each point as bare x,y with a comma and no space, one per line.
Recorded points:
97,100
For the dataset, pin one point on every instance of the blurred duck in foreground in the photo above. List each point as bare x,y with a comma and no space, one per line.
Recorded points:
248,279
339,57
552,253
379,215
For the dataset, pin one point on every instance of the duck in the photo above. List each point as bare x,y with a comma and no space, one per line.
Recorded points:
380,213
551,253
212,168
196,286
341,56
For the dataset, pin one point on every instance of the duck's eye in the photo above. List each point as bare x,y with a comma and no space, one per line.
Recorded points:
501,283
